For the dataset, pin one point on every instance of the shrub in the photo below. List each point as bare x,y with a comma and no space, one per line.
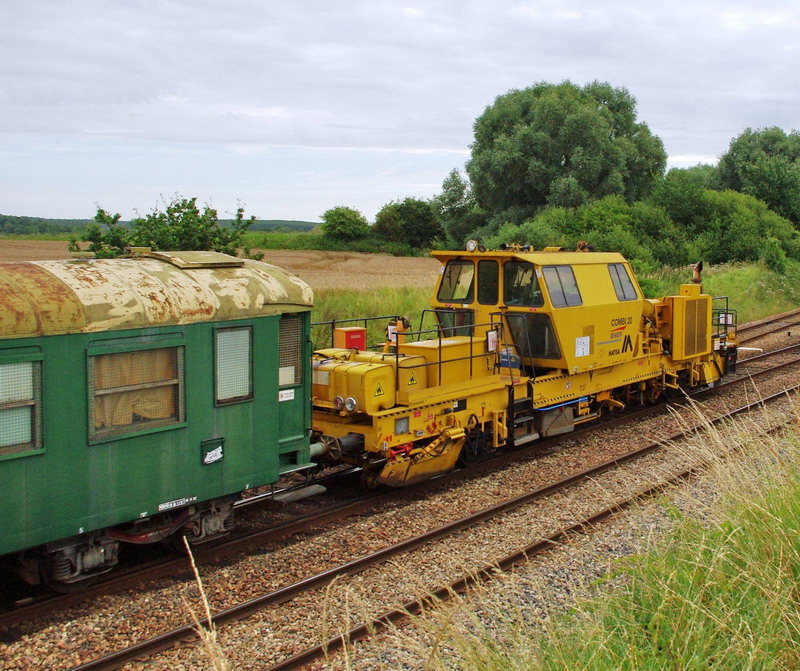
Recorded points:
344,223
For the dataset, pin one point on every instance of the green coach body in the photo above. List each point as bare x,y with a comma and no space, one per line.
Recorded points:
139,397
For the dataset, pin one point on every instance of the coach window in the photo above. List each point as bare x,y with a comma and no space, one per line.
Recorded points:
290,351
562,286
622,282
457,282
134,391
233,364
520,285
20,407
488,281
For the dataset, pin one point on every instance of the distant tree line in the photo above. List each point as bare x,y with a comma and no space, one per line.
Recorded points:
550,164
11,225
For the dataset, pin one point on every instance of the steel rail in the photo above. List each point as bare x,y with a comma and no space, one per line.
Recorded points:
169,639
488,572
160,568
775,319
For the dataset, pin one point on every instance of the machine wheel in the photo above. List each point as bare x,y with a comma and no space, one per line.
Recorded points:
369,478
471,451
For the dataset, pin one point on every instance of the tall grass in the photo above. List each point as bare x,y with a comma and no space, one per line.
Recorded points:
344,304
753,290
208,635
720,593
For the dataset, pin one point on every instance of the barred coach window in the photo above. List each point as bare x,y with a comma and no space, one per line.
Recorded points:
20,407
290,351
135,391
233,364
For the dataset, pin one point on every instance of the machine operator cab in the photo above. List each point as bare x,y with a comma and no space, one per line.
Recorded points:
568,311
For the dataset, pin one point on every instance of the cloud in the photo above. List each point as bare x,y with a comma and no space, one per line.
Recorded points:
354,88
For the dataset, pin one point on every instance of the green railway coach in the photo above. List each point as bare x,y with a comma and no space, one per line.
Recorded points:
139,397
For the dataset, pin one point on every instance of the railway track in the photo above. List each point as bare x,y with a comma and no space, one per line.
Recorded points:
758,329
361,503
488,572
363,563
33,604
367,561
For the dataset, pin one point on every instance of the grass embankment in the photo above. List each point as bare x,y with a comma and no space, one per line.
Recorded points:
343,304
720,592
753,291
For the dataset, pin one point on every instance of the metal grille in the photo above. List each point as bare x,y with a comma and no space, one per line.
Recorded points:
20,407
695,334
134,391
234,378
290,351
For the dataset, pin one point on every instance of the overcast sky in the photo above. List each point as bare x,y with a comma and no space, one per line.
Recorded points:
293,107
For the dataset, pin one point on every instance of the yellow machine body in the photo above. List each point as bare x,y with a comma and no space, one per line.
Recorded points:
528,344
370,385
452,358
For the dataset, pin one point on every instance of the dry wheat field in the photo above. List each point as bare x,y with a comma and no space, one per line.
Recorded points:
322,270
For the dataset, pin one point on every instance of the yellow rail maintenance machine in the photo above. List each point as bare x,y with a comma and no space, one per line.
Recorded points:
524,344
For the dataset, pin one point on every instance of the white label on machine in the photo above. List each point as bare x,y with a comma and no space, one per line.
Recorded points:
582,346
391,332
322,377
286,395
491,341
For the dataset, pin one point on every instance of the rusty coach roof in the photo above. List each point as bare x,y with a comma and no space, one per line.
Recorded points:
154,289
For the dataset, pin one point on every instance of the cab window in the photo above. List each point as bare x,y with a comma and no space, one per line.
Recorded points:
457,282
533,334
488,282
562,287
455,322
520,285
622,282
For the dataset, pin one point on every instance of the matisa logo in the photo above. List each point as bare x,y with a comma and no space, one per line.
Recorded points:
627,344
618,326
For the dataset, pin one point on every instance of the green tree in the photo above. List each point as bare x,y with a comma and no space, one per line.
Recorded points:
456,209
344,223
105,242
765,164
738,227
180,226
642,231
411,221
682,194
562,145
